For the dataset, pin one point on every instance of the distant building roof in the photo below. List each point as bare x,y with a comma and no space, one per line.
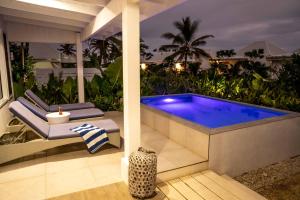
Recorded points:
269,48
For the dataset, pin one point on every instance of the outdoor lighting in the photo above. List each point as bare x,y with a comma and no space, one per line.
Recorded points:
178,67
143,66
168,100
49,3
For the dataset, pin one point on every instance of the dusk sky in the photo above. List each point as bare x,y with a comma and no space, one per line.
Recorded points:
234,23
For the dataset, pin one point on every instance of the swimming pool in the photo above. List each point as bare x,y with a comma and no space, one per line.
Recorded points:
234,137
209,112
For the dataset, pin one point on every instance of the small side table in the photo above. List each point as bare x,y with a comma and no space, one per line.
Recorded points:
56,118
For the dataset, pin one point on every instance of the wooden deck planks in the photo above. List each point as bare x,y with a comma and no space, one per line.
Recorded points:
185,190
206,185
214,187
233,188
203,191
170,192
159,195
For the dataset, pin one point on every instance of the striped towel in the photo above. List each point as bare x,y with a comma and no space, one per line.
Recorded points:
93,137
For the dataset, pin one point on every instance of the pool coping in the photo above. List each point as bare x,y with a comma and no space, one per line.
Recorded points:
212,131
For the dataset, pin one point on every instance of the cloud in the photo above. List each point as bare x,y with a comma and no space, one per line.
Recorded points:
235,23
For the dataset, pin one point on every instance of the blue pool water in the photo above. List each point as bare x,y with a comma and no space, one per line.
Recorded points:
208,112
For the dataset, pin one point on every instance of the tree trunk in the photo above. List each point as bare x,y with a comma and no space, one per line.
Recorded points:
100,65
22,55
185,61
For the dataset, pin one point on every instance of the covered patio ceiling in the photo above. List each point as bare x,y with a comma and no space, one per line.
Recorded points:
92,18
74,21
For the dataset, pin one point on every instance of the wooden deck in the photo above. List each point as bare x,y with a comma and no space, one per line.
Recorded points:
206,185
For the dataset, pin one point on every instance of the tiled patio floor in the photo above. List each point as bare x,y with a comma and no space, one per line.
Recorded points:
65,173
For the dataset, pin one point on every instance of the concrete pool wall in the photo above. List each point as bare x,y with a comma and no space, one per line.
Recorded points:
233,149
176,130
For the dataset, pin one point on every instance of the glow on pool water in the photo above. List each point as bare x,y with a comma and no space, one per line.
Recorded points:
209,112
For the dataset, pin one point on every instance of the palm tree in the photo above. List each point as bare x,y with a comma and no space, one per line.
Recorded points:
144,50
86,53
67,49
185,44
107,49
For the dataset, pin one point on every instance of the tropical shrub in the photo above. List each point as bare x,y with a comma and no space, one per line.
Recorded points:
58,91
107,93
250,87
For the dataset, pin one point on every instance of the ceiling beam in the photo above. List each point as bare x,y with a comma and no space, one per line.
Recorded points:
101,3
30,8
20,32
112,10
42,24
46,18
61,5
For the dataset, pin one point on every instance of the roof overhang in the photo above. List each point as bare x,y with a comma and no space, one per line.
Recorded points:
92,18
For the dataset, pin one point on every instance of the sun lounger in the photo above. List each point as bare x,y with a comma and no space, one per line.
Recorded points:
74,114
50,135
54,108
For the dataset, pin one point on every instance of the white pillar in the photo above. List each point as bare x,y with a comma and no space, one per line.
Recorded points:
131,79
79,59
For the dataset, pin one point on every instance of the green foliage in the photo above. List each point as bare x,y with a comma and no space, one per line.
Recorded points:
185,44
67,49
52,92
225,53
69,90
92,62
106,92
289,74
251,88
22,68
115,71
144,50
255,53
19,89
106,50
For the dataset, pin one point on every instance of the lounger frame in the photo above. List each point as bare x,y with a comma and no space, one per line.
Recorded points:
32,101
10,152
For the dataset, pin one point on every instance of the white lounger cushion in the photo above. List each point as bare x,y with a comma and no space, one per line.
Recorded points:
74,114
54,108
35,122
58,131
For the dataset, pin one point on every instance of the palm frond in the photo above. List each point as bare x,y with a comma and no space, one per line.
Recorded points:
205,37
179,25
201,52
194,27
168,35
172,56
183,42
178,40
168,47
196,43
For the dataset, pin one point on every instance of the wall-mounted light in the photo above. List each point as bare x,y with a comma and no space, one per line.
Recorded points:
143,66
